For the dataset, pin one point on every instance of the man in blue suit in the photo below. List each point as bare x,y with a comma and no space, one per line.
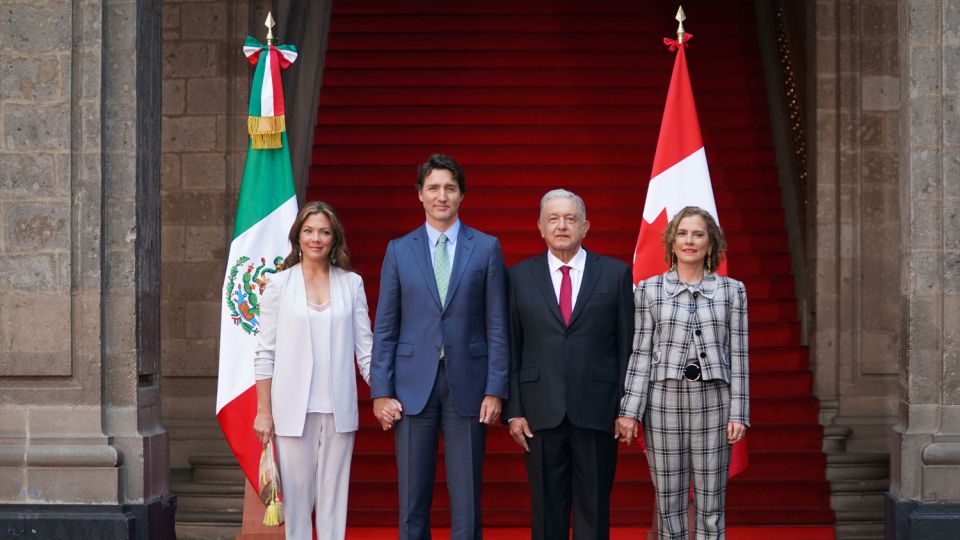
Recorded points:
440,352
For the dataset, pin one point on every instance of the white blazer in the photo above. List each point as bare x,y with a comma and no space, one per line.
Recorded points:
284,341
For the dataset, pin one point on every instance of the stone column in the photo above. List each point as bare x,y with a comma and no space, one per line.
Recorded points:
83,453
852,217
924,496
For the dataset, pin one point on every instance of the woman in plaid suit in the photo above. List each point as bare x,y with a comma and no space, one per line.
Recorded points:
687,378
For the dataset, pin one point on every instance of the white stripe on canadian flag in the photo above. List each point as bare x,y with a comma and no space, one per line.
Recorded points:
686,183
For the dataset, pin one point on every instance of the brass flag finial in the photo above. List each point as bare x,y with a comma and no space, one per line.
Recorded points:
681,16
270,23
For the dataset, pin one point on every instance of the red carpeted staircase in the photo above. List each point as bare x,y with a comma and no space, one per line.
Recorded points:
541,94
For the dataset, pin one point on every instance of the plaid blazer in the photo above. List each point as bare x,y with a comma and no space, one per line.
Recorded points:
675,322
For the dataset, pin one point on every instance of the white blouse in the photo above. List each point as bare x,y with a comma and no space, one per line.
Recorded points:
320,382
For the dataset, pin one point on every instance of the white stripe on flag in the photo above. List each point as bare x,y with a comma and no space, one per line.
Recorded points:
266,94
291,56
687,183
267,239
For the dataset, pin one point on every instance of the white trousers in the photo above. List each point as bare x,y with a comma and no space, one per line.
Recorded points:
315,476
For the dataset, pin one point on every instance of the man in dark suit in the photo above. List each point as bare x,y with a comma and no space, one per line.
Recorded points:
571,328
440,352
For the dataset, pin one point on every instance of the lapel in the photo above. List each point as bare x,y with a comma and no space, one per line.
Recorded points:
541,275
591,274
338,300
421,251
461,257
297,295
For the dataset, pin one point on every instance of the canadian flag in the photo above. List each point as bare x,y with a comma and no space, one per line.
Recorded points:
680,177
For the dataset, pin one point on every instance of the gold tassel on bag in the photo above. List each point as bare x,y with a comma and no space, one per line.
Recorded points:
270,488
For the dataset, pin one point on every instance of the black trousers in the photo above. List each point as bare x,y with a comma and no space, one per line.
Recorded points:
567,464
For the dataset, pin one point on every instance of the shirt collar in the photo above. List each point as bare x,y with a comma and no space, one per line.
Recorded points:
673,286
452,233
577,262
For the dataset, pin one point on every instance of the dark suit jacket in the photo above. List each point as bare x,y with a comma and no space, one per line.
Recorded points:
412,324
576,370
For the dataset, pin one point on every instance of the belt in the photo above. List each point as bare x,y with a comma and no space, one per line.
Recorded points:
692,371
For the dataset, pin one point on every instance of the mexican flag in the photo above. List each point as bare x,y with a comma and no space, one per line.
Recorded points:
266,208
680,177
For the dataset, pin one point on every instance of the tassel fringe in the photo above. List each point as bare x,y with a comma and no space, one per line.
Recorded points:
274,514
265,130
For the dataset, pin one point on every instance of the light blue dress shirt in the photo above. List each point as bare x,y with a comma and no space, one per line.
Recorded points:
434,235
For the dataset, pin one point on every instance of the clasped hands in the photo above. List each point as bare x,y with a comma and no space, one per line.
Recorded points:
388,411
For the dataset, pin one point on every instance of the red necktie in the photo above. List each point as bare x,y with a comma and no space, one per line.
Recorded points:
566,295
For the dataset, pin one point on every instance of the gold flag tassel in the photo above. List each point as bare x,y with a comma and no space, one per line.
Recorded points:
270,488
265,131
273,517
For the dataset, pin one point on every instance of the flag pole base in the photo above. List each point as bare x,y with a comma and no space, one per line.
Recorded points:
253,527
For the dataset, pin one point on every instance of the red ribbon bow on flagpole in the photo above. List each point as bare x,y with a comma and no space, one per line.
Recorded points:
674,44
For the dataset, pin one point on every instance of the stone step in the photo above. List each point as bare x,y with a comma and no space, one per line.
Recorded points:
869,501
835,439
857,515
207,496
871,530
217,468
208,525
857,466
209,517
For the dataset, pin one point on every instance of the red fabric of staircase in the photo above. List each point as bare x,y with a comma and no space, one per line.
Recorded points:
541,94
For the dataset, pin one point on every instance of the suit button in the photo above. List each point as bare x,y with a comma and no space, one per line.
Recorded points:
698,332
703,355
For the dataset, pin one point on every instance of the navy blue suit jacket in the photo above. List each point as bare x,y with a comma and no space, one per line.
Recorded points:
412,324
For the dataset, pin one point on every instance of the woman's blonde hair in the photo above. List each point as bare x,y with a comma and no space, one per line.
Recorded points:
718,244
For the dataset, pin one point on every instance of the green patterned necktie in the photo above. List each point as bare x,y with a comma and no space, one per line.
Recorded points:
441,268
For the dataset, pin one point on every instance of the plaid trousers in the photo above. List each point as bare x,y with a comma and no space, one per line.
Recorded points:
685,426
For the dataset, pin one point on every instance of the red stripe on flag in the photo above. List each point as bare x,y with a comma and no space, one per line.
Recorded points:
275,80
680,128
236,421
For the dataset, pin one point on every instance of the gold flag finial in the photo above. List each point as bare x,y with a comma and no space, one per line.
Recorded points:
270,23
681,16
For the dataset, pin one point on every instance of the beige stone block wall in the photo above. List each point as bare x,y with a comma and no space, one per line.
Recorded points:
79,401
854,217
205,95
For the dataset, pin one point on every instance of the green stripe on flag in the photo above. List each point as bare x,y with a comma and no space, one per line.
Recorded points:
256,88
267,184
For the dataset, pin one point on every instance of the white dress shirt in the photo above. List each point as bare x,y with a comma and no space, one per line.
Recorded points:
576,265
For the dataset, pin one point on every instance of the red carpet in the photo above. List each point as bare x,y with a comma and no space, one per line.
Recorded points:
546,94
620,533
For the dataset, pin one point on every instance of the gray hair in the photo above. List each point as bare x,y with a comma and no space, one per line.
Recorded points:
564,194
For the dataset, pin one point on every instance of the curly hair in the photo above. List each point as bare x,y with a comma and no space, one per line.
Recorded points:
718,243
339,255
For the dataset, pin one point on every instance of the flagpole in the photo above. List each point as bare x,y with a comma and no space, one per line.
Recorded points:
681,16
266,206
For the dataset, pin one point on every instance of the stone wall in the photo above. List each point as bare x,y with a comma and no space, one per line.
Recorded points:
854,216
206,81
924,499
79,337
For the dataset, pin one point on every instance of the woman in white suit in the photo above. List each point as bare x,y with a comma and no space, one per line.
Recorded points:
313,322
